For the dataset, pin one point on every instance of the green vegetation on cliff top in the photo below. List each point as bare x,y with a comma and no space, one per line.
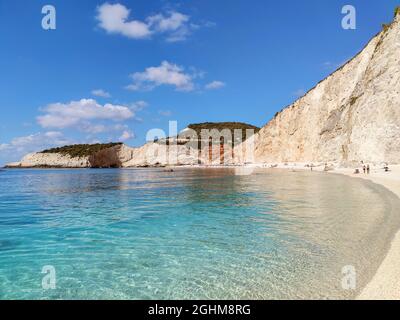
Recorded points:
81,150
222,125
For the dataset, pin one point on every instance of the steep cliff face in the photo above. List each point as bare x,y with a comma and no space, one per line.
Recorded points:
155,154
101,157
54,160
352,115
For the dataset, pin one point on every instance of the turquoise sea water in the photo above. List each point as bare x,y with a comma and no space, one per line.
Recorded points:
191,234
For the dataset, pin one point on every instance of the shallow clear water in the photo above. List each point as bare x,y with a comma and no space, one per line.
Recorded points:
191,234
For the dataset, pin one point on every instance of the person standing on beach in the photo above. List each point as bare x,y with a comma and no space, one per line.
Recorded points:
364,169
368,169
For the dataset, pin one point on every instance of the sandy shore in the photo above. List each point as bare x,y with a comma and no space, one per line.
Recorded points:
385,285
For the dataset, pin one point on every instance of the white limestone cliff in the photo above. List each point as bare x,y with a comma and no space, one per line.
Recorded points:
351,116
109,157
51,160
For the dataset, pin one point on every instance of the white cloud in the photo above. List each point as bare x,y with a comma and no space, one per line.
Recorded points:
101,93
215,85
78,113
126,135
94,129
172,23
139,105
114,18
176,25
165,74
196,73
179,35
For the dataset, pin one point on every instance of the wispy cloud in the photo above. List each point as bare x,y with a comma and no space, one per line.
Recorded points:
126,135
95,129
114,18
175,26
299,93
165,113
138,105
166,74
20,146
331,66
327,64
101,93
215,85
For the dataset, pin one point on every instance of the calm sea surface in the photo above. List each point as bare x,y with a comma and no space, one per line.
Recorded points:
191,234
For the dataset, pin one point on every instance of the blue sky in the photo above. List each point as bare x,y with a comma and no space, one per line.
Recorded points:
113,70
